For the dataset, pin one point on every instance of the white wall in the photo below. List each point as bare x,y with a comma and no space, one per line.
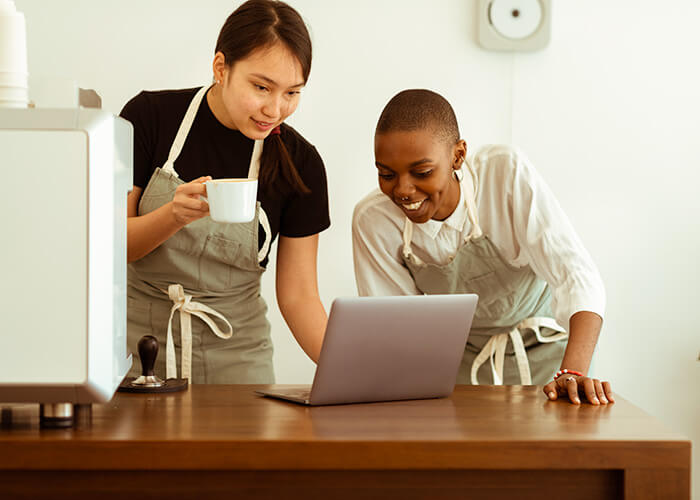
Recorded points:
608,112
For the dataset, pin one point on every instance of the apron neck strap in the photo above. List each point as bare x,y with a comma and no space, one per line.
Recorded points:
254,168
468,189
470,197
262,217
407,236
184,130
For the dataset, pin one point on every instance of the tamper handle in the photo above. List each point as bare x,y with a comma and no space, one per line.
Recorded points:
148,350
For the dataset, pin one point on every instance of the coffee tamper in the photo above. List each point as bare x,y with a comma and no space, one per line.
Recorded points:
148,382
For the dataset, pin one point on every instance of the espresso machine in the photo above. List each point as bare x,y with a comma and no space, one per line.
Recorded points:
66,173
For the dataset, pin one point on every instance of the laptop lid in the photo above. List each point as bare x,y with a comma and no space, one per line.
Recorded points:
392,348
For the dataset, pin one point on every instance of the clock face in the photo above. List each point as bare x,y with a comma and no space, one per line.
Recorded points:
513,25
515,19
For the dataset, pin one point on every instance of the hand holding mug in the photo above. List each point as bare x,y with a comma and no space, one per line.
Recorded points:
187,205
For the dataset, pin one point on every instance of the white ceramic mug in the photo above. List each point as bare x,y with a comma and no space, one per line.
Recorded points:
232,200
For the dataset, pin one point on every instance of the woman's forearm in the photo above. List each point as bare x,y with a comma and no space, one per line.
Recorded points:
145,233
297,292
584,329
307,319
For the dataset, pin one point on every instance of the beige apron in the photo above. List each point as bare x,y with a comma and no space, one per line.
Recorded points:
514,305
209,270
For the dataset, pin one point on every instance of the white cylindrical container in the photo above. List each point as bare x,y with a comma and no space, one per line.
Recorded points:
13,57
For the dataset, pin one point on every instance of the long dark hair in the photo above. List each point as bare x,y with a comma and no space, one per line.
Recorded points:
254,25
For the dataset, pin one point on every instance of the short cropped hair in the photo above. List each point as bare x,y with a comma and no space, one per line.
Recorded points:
419,109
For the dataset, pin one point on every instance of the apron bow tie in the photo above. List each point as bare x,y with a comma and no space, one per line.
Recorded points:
187,308
495,349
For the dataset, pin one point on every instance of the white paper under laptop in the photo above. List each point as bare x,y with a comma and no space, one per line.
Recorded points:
388,349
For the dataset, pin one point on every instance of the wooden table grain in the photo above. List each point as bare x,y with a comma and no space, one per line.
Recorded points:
225,441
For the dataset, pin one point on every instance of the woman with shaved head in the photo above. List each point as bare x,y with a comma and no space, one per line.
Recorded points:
492,228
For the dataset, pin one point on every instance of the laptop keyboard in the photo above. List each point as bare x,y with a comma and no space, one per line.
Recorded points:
298,393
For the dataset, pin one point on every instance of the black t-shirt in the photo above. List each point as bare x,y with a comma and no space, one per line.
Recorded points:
212,149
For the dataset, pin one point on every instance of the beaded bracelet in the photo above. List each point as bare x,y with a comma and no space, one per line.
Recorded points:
562,372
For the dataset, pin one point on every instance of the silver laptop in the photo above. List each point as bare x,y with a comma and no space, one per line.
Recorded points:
388,349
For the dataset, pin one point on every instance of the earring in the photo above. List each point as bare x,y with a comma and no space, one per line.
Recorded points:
218,82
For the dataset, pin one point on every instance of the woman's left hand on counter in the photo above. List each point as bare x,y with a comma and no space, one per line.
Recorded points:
580,388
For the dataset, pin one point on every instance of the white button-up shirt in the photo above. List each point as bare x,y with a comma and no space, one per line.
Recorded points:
517,212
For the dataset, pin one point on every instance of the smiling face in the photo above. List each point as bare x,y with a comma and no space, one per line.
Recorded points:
415,170
258,92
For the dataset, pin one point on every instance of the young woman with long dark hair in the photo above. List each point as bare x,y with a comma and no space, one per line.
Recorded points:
184,264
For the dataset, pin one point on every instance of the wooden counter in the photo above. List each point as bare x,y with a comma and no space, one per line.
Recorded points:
224,441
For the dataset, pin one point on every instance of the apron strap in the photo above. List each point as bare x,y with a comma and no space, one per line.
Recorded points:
262,216
470,198
407,236
535,323
520,357
494,349
254,168
253,172
187,308
184,129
